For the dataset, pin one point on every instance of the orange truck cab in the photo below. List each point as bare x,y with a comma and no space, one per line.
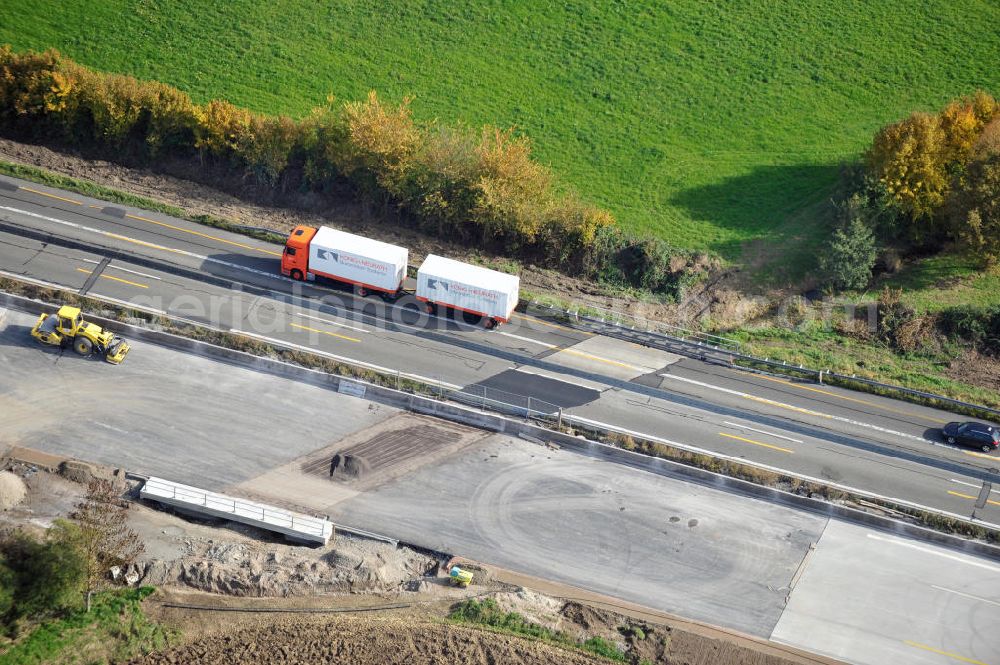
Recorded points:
295,258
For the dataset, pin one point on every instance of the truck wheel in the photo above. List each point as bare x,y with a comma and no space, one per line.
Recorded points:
83,346
490,323
431,308
297,275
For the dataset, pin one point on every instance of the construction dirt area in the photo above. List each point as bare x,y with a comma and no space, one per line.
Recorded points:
235,594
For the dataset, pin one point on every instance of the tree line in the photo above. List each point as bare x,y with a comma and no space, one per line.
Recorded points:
481,188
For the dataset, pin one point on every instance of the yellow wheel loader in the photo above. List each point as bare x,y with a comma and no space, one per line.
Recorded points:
67,328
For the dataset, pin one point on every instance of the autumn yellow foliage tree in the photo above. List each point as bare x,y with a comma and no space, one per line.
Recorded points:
908,159
381,140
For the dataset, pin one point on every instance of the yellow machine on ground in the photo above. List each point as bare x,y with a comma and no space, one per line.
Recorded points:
460,577
67,327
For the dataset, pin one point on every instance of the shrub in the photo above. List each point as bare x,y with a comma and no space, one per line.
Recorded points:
48,575
975,208
980,326
850,256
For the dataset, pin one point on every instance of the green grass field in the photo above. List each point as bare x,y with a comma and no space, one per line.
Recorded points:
709,124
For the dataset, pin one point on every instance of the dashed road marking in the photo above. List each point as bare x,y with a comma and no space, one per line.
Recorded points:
116,279
972,498
760,431
756,443
324,332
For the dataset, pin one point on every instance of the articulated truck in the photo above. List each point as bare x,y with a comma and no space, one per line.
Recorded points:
487,293
369,265
372,266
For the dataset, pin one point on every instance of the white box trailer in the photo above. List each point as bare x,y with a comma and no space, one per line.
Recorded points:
449,283
367,263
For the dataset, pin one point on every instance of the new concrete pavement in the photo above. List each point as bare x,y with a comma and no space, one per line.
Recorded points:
864,441
860,595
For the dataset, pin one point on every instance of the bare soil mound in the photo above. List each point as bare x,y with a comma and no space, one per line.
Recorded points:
347,467
12,490
367,640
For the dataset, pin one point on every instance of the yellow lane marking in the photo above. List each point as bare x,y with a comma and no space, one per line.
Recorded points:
851,399
963,659
764,400
603,360
756,443
969,452
966,496
203,235
552,325
117,279
51,196
143,243
324,332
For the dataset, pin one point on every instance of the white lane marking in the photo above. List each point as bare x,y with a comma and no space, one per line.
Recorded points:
118,236
760,431
978,487
945,555
332,323
533,372
967,595
110,427
800,409
352,361
527,339
112,265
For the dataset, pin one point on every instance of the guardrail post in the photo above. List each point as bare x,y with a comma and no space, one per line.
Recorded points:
559,425
821,377
527,415
398,381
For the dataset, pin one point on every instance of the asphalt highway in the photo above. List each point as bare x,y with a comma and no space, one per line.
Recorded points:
875,444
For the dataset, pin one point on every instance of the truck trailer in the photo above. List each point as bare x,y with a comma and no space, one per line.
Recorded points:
487,293
369,265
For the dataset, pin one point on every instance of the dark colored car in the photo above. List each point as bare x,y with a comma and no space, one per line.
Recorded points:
975,435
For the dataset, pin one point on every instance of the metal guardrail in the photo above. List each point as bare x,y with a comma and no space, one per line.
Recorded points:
693,346
642,324
523,406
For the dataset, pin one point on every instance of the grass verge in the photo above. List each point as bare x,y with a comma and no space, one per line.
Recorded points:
115,630
817,347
